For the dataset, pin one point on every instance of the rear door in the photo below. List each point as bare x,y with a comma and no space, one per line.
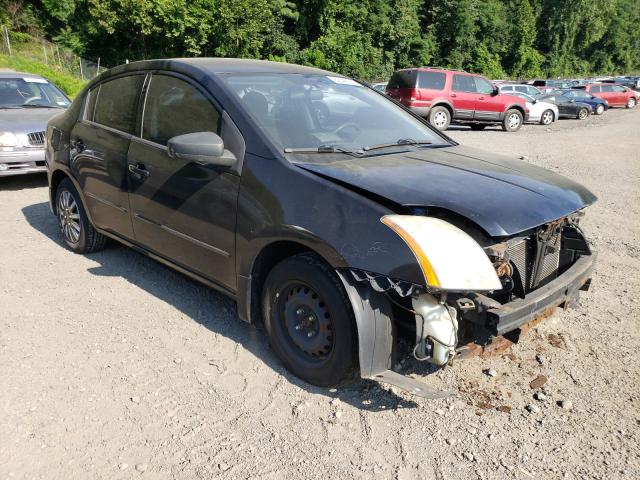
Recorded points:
99,146
620,95
182,210
463,96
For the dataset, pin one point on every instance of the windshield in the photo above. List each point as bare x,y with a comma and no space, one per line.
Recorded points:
30,91
317,111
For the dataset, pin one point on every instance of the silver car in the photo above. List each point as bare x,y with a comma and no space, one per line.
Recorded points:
27,102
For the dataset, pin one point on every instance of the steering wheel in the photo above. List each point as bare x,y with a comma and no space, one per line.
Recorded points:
30,100
348,131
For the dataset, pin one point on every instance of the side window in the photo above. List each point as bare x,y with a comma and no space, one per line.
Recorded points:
117,103
174,107
618,88
595,89
483,86
431,80
91,103
607,88
403,79
522,88
463,83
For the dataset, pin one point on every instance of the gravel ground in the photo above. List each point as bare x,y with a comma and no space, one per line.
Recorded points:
114,367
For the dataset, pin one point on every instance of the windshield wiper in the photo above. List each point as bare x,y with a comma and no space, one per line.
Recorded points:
323,149
35,105
398,143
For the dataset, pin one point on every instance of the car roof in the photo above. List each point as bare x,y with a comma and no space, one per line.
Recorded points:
8,74
435,69
212,66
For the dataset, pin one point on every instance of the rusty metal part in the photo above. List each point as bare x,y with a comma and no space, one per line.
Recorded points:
500,344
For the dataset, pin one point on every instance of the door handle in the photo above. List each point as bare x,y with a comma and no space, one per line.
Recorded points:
453,95
481,98
139,170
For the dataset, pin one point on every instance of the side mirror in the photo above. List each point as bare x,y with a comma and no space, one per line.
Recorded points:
205,148
495,92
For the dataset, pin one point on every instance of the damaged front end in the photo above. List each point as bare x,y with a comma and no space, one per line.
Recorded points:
469,298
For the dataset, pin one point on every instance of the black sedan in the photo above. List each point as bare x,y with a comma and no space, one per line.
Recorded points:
568,107
329,213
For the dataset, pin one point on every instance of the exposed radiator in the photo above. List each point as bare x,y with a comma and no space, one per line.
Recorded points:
522,254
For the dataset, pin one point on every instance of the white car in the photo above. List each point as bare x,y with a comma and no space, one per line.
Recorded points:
544,113
510,88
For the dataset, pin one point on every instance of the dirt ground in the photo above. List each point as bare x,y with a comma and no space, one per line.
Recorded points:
114,367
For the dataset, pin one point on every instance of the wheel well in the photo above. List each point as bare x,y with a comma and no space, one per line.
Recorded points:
515,107
268,258
445,105
56,178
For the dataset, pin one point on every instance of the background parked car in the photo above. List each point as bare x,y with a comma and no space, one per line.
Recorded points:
598,105
380,86
444,96
567,107
27,102
544,113
545,86
616,95
519,87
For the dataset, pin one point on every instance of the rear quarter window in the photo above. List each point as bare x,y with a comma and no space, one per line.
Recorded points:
403,79
117,103
431,80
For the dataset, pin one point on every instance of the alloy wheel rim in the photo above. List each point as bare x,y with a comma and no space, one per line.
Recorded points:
631,103
514,120
583,114
440,119
599,109
307,321
69,217
547,118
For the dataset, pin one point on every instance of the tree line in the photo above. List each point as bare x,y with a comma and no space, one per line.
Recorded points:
366,39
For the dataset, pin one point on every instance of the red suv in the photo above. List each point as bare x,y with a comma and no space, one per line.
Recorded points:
444,96
616,95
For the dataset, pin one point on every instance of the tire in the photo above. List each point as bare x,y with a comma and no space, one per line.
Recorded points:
439,117
310,321
547,117
512,120
631,102
583,113
77,231
600,109
477,126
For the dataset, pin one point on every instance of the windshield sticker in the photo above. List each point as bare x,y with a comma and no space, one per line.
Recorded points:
344,81
34,80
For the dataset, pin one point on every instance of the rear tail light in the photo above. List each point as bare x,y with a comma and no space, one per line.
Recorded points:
414,94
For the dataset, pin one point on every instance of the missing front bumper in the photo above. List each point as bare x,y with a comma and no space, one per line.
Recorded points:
560,291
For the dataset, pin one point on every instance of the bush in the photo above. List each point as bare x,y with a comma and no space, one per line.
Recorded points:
69,84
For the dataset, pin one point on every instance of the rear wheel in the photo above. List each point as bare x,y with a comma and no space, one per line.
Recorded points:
477,126
310,322
512,121
600,109
583,113
547,117
631,102
440,117
78,233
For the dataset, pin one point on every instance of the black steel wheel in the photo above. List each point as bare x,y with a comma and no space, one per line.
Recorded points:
76,229
309,320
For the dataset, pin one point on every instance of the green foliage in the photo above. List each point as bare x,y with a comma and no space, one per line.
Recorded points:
367,39
67,82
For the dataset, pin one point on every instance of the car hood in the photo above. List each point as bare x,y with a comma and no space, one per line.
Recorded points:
503,196
26,120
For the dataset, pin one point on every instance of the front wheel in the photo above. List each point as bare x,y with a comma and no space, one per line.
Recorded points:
440,118
631,102
309,321
600,109
583,113
79,235
512,121
547,117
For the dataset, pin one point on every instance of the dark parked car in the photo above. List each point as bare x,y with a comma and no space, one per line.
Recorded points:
598,105
27,102
325,209
546,86
568,107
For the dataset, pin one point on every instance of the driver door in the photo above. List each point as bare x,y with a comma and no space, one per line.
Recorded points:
182,210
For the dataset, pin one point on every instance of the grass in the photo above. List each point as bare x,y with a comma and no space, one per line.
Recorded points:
70,84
